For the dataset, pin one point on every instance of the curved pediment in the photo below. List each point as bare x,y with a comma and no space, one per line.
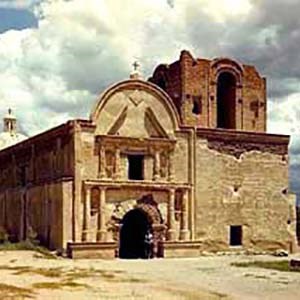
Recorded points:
135,108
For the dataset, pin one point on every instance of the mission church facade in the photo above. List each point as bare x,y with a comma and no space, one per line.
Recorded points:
184,155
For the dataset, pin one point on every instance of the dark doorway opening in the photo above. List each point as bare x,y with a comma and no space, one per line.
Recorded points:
136,167
134,230
226,96
236,235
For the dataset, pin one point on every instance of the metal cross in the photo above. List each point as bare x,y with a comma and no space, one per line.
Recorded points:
136,65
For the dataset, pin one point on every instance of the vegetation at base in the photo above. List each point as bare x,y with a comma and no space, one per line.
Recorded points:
59,285
27,245
31,243
282,265
26,270
8,291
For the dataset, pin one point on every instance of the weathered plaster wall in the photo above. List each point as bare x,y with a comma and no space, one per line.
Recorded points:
42,212
36,187
248,191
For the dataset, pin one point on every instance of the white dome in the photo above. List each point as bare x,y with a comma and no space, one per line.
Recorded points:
8,139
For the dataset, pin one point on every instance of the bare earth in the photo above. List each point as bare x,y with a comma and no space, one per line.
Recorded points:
27,275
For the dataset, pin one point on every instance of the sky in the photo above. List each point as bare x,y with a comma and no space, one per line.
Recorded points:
56,56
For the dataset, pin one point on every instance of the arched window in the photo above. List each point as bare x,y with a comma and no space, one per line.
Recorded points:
226,96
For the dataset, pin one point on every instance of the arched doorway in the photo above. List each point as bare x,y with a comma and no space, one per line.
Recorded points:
226,104
135,226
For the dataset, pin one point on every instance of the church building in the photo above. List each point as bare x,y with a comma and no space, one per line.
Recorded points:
181,161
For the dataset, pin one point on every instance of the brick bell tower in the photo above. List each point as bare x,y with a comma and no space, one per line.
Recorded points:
219,93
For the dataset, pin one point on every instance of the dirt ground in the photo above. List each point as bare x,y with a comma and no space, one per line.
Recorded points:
27,275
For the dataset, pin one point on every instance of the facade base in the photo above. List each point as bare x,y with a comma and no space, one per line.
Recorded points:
110,250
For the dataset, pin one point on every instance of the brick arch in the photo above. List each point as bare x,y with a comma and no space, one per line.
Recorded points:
224,64
219,67
148,205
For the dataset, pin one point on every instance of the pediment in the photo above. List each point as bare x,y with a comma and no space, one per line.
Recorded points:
143,123
135,109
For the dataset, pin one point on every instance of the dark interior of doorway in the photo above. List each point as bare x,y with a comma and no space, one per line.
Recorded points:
135,226
235,235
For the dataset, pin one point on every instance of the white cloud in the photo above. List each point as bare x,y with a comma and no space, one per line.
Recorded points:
53,72
284,115
80,47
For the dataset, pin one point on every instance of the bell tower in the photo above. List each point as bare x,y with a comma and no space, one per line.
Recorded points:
10,123
219,94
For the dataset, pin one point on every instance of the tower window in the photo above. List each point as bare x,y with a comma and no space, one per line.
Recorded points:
226,98
235,235
136,167
197,107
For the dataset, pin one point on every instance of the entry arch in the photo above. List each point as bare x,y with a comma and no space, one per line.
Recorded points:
135,227
144,218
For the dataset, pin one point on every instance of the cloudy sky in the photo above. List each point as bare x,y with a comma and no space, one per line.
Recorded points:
57,55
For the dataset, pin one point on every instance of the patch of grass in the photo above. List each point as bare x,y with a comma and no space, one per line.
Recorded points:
282,265
52,273
59,285
10,292
27,245
20,270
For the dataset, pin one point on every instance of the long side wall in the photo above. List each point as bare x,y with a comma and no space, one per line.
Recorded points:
34,196
245,184
38,212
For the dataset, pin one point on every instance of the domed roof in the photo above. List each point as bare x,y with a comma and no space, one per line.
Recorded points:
10,136
8,139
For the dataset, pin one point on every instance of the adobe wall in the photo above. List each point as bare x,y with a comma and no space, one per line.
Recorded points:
247,187
43,158
33,178
44,210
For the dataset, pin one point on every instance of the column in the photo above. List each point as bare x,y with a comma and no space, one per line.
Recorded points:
156,165
171,167
101,226
102,162
184,232
117,163
171,216
87,215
